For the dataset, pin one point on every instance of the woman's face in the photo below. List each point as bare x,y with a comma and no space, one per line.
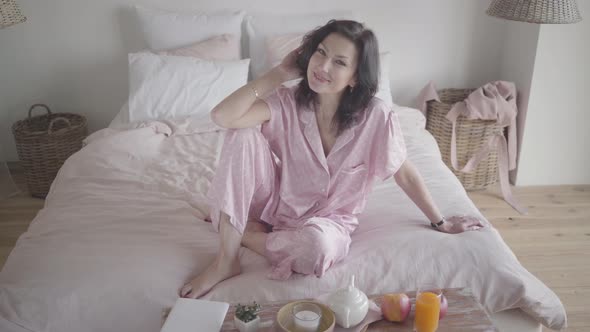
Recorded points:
332,66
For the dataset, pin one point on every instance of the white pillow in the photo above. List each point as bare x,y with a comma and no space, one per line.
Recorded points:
384,91
173,87
164,30
411,120
261,27
223,47
121,120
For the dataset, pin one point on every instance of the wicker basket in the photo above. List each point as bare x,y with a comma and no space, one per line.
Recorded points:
44,143
471,136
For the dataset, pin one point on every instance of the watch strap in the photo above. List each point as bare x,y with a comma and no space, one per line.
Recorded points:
438,224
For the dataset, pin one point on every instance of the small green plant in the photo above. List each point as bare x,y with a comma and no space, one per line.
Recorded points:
247,313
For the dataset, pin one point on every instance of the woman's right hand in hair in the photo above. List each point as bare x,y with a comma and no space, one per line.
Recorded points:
287,68
243,108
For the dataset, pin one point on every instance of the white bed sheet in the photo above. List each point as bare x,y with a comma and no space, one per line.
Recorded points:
122,231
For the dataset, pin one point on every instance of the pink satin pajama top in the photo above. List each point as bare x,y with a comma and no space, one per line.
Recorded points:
336,186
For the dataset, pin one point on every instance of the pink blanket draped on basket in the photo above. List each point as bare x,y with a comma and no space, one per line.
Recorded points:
493,101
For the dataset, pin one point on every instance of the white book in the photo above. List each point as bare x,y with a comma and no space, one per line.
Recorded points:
195,315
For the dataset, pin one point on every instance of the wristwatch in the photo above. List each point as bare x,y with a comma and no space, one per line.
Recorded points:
438,224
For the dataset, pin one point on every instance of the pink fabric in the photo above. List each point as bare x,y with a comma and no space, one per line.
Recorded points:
315,185
243,185
244,180
278,47
493,101
426,94
224,47
310,200
310,249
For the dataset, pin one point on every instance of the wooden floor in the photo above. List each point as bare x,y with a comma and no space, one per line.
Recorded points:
551,241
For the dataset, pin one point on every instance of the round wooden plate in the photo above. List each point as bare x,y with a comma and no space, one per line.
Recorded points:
285,318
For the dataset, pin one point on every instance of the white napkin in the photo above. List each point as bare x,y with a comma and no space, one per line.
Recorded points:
191,315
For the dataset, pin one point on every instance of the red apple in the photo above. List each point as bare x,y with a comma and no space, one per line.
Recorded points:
444,305
395,307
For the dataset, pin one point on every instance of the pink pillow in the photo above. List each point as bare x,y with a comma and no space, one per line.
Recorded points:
224,47
277,48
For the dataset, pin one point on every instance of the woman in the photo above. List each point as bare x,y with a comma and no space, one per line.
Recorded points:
292,190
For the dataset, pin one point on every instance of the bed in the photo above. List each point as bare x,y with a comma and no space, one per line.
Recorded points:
122,229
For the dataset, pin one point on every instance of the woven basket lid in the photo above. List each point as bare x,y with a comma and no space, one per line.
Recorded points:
10,14
536,11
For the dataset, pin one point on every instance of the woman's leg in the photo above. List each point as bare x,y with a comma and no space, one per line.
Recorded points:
311,249
225,265
241,187
255,237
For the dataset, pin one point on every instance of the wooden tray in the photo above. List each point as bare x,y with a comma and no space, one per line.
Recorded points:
464,314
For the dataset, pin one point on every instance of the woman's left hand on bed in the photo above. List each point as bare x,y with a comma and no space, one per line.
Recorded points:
460,224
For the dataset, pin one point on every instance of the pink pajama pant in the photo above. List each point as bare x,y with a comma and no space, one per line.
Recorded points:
244,187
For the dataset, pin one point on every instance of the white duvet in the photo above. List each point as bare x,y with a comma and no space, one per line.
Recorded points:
122,231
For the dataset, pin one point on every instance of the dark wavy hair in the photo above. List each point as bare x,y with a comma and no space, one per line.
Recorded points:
352,103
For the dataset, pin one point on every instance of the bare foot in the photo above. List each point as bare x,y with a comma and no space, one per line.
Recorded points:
214,274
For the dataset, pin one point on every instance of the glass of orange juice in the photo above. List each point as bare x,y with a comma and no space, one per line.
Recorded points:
427,308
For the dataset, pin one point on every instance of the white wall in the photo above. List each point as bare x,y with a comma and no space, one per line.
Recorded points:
71,54
556,142
518,62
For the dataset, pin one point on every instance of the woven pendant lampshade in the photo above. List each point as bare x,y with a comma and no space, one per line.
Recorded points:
536,11
10,14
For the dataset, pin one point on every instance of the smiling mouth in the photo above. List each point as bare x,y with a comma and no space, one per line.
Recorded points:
320,79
